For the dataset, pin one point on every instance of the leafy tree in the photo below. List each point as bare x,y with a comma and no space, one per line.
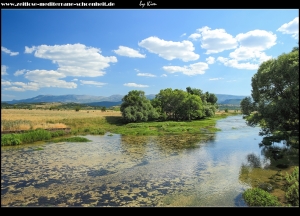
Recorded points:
209,101
178,104
247,106
136,107
275,91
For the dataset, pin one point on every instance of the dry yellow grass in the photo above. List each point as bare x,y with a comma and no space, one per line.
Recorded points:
43,118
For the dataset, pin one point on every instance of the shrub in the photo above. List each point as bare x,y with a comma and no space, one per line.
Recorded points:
259,197
77,108
292,192
10,139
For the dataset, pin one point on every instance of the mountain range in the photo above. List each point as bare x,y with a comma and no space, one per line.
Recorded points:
113,99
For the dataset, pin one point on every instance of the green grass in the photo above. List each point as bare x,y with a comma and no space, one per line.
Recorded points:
29,137
72,139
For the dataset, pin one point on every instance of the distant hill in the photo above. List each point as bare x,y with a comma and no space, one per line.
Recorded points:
105,103
232,101
113,99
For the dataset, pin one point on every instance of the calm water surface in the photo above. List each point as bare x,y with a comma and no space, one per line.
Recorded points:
132,171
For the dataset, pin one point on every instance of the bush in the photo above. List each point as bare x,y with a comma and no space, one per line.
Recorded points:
259,197
292,192
10,139
77,108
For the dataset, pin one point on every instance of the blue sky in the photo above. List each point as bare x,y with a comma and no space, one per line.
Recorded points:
113,51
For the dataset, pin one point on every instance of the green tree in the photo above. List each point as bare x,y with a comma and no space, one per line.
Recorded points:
136,107
247,106
275,91
103,109
178,105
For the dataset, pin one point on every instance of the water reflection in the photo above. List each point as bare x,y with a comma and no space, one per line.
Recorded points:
115,170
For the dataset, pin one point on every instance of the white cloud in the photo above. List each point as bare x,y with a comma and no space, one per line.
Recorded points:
51,78
135,85
243,53
184,34
169,49
219,78
20,86
19,72
4,70
126,51
190,70
30,50
235,64
98,84
74,59
210,60
217,40
257,39
291,27
14,88
146,74
3,49
5,83
164,75
194,36
75,80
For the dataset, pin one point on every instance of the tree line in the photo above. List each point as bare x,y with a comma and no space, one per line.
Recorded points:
168,104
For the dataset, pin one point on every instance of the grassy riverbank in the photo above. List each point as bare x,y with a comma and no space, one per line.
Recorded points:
91,122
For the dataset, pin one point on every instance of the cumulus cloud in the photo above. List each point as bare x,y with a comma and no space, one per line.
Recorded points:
164,75
235,64
250,53
243,53
184,34
146,74
5,83
291,27
213,79
170,50
21,86
210,60
190,70
126,51
217,40
195,36
4,70
3,49
95,83
19,72
29,50
257,39
51,78
135,85
74,59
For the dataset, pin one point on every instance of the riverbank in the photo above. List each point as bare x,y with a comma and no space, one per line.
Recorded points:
95,123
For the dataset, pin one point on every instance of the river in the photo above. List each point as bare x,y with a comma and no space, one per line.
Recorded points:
116,171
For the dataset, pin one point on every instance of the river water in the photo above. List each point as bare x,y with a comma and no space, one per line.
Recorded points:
116,171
